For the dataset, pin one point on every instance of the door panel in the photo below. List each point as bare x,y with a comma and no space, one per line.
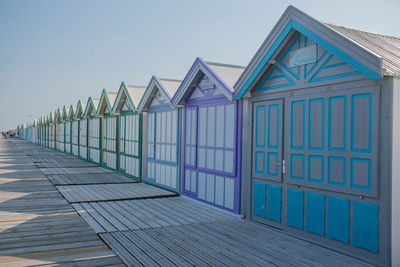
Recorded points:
330,145
267,140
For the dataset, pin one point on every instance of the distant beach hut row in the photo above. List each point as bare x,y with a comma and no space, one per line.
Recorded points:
305,138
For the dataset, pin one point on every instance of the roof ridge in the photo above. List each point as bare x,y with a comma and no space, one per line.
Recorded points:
374,33
224,65
131,85
170,80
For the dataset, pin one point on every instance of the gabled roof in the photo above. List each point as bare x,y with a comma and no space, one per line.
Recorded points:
92,105
106,103
222,75
133,93
387,47
167,86
65,113
59,114
366,59
71,114
80,108
52,117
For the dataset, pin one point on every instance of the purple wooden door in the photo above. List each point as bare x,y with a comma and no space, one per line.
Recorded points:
210,152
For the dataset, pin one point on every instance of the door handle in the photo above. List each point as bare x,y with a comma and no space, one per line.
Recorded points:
283,164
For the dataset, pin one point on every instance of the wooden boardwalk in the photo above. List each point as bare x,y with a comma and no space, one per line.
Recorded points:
220,243
106,192
89,178
37,225
64,170
41,227
146,213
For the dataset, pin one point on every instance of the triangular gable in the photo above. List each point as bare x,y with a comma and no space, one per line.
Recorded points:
80,109
59,116
91,108
65,113
194,78
293,20
302,61
106,104
128,98
71,114
158,93
52,117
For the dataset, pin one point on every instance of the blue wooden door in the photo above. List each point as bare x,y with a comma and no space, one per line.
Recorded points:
329,185
267,160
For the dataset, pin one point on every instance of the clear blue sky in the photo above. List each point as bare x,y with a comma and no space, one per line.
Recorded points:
55,52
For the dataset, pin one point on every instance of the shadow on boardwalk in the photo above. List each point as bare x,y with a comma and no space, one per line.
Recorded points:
37,225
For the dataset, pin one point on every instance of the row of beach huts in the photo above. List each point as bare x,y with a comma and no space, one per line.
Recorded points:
306,138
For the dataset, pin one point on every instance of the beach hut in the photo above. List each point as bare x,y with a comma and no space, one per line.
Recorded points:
60,123
52,130
67,129
83,129
74,131
321,103
94,124
211,131
35,134
46,131
43,126
39,130
109,148
163,124
129,129
42,131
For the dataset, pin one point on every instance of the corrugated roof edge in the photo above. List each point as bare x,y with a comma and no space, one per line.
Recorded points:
171,80
365,31
224,65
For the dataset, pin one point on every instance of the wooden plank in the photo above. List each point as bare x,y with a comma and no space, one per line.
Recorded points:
130,213
115,213
100,219
152,219
156,246
144,205
107,192
113,220
55,256
122,213
231,252
88,218
193,259
120,250
47,247
137,251
242,251
205,254
175,212
157,204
